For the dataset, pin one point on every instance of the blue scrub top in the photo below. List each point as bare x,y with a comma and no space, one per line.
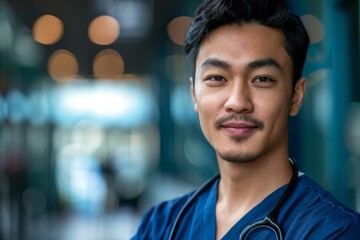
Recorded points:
308,213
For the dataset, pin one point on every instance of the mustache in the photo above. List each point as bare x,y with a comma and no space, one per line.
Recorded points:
239,117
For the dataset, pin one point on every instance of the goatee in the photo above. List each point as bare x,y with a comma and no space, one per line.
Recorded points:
236,157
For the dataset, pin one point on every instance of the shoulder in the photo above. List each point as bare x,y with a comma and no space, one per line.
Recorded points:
321,215
158,220
319,198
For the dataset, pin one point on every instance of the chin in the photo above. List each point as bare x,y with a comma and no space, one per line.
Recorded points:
236,157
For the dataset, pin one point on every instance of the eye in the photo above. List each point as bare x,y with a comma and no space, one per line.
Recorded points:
215,79
263,81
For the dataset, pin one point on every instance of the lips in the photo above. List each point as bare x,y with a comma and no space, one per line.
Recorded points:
239,128
239,125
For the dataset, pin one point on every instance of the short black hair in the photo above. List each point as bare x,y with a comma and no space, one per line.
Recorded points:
212,14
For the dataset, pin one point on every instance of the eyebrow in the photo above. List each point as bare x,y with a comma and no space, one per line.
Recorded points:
259,63
266,62
214,62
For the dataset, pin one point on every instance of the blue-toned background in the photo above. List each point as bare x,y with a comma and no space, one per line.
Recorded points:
96,119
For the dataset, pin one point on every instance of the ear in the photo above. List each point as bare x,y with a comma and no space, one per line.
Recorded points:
298,96
193,96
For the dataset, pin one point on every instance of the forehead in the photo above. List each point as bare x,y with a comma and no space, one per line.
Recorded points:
239,44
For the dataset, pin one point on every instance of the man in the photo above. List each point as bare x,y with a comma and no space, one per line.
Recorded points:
248,57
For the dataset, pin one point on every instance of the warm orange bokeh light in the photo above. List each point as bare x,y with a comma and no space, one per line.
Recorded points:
62,65
108,64
48,29
178,28
104,30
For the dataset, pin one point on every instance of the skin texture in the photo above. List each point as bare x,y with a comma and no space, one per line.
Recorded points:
244,96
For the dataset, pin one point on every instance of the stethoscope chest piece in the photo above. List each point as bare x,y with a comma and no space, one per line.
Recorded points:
265,225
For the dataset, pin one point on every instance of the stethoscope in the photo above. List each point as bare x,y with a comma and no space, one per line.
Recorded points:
267,223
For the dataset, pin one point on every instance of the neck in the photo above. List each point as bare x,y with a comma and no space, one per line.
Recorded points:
245,185
247,182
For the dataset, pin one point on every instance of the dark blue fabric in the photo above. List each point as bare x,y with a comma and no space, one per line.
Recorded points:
309,213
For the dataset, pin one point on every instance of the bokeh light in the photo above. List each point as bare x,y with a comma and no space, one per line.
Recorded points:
2,109
26,51
7,33
104,30
132,77
62,65
174,67
48,29
315,28
17,106
178,28
317,76
108,64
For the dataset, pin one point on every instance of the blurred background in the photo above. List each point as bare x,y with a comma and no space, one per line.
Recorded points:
96,119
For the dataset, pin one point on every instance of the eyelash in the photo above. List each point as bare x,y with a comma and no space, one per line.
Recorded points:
264,78
215,78
260,81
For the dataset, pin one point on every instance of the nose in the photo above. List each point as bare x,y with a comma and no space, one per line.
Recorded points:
239,99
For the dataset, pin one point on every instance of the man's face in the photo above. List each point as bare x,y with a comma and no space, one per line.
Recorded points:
243,92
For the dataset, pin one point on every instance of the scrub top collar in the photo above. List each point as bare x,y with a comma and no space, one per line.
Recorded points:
258,212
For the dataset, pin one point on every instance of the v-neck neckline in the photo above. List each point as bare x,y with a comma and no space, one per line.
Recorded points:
255,214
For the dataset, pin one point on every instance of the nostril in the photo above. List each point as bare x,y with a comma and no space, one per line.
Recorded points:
238,104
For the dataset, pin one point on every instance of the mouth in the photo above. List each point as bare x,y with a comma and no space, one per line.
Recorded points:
238,126
239,129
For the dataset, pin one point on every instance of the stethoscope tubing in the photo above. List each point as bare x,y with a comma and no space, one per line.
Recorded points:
189,202
270,217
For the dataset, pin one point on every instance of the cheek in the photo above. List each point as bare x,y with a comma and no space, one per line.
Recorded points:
273,108
205,116
207,108
204,106
201,99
